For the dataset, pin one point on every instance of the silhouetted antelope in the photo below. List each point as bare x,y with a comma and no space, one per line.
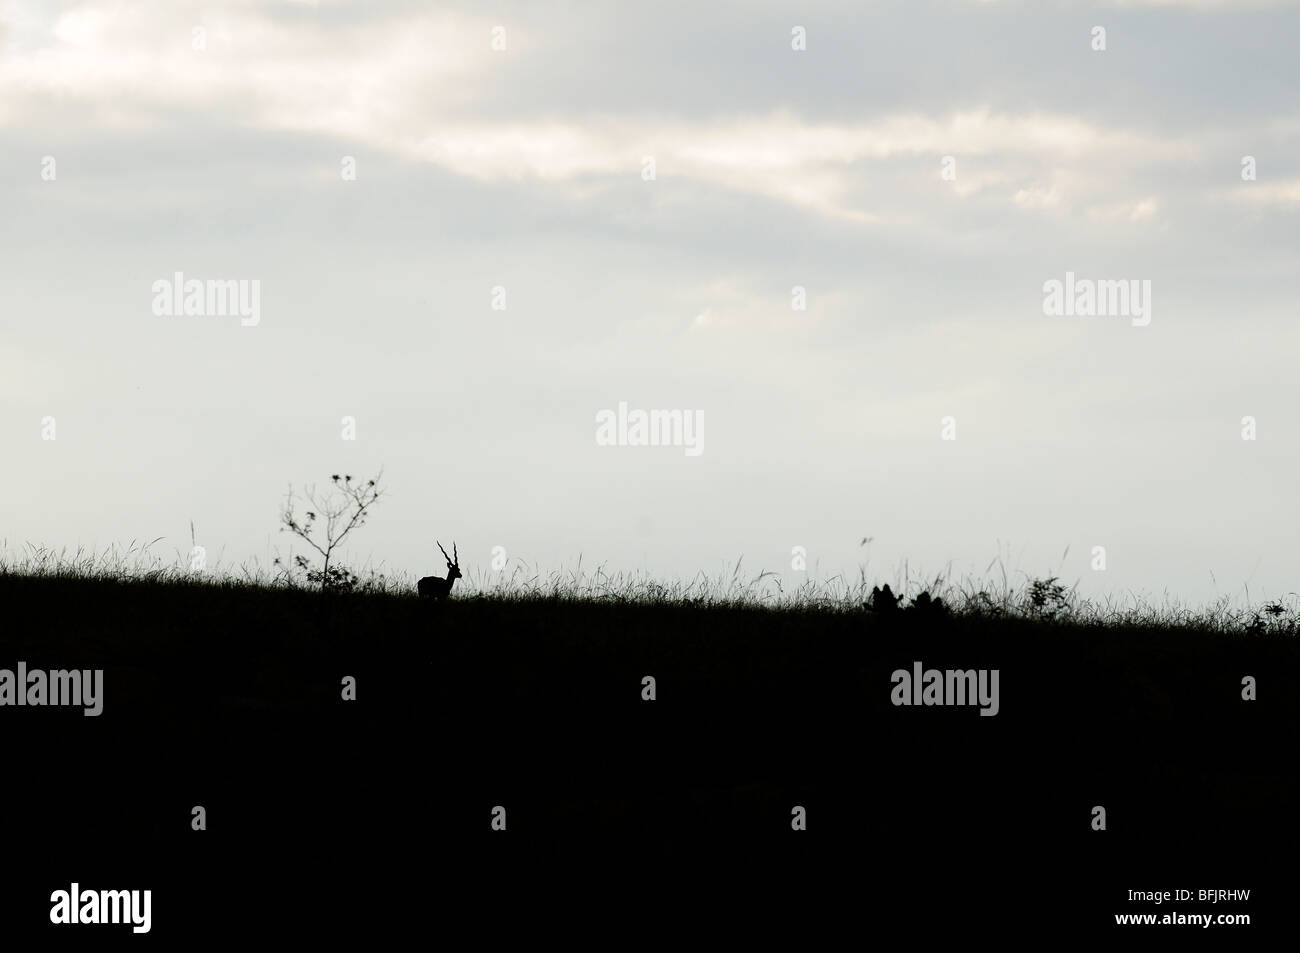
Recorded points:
435,587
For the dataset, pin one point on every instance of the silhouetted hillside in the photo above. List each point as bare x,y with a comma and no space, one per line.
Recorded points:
231,697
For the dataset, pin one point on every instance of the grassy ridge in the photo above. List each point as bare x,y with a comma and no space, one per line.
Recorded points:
227,694
1043,599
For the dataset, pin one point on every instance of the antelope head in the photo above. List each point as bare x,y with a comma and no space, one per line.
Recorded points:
453,562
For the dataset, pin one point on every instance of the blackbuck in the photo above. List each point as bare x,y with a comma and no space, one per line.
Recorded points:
435,587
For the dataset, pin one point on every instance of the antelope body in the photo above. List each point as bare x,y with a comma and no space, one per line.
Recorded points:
435,587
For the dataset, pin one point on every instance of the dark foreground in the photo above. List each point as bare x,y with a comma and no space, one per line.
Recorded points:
623,816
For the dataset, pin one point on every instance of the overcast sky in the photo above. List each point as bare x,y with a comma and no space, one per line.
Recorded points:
210,139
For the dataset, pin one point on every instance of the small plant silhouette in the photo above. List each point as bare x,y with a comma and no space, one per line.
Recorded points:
435,587
1048,598
885,602
327,521
1279,619
882,600
924,605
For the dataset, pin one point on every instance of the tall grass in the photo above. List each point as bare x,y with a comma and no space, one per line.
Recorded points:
999,594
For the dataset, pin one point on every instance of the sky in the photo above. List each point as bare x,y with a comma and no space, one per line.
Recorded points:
823,231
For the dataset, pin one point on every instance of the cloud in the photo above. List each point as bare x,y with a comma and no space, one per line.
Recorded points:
138,57
400,85
1129,211
1282,194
